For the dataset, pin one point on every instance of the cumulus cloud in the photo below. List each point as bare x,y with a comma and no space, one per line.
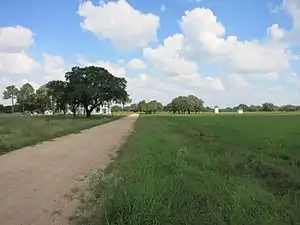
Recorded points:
276,33
136,64
163,8
117,69
15,39
293,8
125,26
54,67
166,59
17,63
204,38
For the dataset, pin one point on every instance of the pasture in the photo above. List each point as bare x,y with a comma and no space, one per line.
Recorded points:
202,170
18,131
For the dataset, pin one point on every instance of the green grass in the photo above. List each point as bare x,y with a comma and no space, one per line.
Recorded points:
237,170
19,131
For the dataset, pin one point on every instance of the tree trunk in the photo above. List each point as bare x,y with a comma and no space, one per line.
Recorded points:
88,113
12,105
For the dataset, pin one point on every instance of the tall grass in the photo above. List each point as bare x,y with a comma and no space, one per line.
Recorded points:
19,131
202,170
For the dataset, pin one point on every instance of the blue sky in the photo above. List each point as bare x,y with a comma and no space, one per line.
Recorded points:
177,47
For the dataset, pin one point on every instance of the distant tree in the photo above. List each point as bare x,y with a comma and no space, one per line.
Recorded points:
183,104
253,108
57,91
168,107
2,108
124,100
26,97
244,107
195,103
11,92
149,107
268,107
142,106
43,99
288,108
133,108
116,108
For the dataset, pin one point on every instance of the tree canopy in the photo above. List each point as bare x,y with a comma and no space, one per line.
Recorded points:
89,87
183,104
93,86
11,92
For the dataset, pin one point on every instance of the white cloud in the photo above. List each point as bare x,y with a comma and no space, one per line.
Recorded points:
33,84
126,27
54,67
15,39
136,64
116,69
163,8
17,63
13,57
293,8
166,60
275,32
204,39
237,80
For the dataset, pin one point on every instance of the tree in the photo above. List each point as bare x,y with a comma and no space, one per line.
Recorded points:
268,107
26,97
43,99
143,106
195,103
11,92
288,108
154,106
57,90
94,86
183,104
244,107
253,108
2,108
125,100
116,108
134,107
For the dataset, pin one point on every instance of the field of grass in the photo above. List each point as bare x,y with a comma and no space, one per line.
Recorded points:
19,131
213,170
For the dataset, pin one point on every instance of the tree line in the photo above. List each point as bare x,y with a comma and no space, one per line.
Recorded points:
87,87
92,87
193,104
181,104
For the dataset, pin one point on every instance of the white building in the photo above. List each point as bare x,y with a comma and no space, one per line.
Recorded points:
216,110
101,110
240,111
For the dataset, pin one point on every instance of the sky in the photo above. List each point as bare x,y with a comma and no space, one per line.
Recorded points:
226,52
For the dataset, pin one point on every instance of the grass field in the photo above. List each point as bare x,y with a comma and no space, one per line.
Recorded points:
19,131
212,170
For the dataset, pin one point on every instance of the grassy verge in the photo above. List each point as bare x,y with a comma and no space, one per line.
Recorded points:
19,131
203,170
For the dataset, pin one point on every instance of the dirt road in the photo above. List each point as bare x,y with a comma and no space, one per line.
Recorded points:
34,180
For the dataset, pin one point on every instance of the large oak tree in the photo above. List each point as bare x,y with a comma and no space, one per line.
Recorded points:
94,86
